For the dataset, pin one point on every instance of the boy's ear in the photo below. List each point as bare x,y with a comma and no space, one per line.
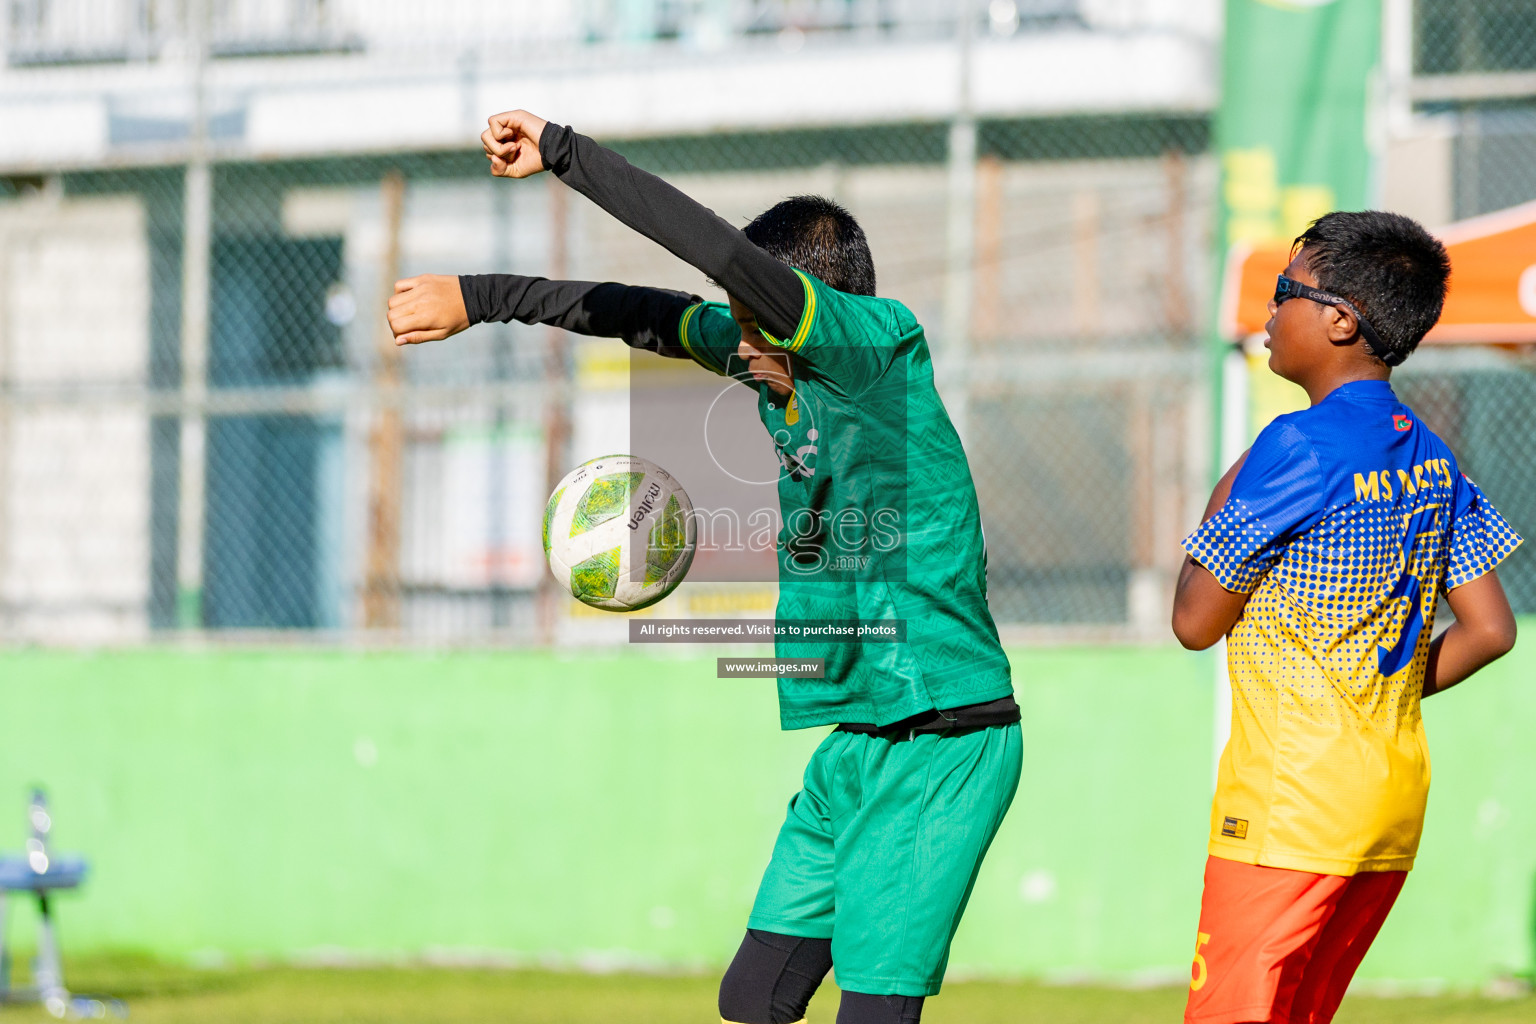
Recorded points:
1343,326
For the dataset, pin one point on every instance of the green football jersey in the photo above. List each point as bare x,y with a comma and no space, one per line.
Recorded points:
879,519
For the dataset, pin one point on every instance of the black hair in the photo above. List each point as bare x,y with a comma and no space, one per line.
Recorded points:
821,238
1388,266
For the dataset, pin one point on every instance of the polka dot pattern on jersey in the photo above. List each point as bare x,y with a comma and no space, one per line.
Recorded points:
1480,540
1235,545
1313,631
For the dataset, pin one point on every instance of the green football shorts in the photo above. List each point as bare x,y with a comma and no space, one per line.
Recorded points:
880,850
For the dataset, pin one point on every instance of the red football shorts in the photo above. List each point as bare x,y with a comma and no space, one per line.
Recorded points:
1281,946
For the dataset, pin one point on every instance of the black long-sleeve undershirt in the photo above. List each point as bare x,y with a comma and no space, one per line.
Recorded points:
685,228
645,318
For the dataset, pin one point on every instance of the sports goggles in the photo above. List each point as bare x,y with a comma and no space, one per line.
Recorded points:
1289,288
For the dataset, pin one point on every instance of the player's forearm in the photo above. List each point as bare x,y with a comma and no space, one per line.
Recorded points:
1483,632
682,226
644,317
1458,653
1463,649
1203,610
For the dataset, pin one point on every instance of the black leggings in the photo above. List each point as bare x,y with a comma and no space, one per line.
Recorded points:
773,977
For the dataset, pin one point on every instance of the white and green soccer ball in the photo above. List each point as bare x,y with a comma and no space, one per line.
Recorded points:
619,532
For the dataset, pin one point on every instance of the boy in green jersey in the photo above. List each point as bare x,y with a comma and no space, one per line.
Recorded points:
878,853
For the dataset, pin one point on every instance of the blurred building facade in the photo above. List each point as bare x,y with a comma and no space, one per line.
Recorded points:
203,427
1088,123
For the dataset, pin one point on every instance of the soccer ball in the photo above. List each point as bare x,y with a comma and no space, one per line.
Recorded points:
619,533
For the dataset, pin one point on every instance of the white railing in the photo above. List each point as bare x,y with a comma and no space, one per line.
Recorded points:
78,31
48,31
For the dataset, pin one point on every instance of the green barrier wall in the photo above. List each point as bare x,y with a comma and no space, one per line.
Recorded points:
615,810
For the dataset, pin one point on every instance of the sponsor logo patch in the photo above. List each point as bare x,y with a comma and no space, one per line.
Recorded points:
1237,828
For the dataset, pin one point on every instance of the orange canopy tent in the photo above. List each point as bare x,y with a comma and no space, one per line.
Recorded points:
1493,281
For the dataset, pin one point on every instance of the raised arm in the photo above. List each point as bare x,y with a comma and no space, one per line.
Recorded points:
435,306
519,144
644,317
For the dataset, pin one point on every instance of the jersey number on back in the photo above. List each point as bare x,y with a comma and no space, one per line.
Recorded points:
1392,660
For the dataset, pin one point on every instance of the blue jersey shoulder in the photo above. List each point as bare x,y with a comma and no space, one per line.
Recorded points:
1369,446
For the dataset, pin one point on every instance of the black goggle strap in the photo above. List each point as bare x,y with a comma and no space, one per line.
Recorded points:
1286,288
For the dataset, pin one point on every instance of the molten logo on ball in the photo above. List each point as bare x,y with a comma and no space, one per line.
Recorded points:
619,533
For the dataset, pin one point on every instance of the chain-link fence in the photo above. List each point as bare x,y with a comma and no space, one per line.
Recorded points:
1462,37
347,485
293,471
1483,403
1474,60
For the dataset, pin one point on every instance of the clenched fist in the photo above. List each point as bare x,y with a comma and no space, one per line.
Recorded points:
512,144
429,307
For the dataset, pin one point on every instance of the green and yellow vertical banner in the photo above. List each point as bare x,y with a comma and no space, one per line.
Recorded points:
1292,133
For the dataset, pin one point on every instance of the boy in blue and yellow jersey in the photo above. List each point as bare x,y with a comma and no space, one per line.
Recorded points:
1323,552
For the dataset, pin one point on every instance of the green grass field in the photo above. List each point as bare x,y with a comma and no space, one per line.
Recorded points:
158,992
